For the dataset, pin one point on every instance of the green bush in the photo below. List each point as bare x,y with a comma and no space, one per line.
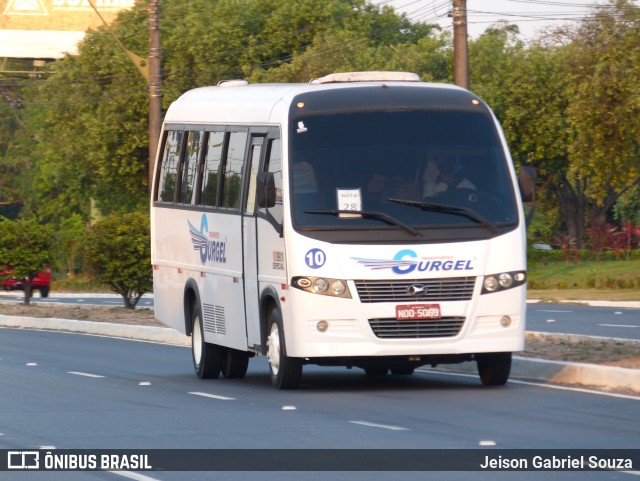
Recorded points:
118,254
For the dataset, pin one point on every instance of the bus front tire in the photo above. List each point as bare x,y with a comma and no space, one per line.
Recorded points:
207,358
494,368
285,371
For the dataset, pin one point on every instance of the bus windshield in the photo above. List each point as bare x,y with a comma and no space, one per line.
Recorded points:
409,172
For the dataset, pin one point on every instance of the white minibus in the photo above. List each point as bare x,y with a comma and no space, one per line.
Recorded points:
363,219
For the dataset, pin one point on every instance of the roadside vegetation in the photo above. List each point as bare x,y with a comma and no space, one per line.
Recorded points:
553,279
74,142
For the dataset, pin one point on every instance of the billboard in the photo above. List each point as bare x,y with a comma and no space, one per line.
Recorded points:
49,28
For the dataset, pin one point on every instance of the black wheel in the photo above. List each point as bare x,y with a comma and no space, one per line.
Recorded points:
235,364
494,368
207,358
376,371
403,371
285,371
44,291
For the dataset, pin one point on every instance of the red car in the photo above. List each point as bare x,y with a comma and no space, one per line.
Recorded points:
41,282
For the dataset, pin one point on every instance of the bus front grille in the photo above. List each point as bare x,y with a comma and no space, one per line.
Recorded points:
416,290
392,328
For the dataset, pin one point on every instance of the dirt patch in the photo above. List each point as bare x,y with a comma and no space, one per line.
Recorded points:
606,352
121,315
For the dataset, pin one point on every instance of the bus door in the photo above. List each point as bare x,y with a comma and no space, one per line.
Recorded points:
250,245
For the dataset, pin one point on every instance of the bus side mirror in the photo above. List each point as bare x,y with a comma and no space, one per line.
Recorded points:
266,190
527,182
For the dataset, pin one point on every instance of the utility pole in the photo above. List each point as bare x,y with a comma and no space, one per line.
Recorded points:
155,83
460,44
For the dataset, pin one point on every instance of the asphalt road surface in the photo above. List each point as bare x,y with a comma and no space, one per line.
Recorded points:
614,322
71,391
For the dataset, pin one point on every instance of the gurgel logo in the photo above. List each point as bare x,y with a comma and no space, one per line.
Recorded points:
406,261
404,253
211,247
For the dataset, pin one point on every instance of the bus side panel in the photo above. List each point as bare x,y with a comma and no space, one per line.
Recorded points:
205,249
168,305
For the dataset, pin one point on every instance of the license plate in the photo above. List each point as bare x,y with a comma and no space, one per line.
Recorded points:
410,312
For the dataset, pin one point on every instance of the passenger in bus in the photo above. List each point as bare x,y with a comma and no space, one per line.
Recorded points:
444,173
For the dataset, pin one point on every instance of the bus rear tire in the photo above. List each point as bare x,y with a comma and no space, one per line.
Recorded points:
494,368
207,358
285,371
235,364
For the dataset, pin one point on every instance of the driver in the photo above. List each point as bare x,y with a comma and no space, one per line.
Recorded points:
443,173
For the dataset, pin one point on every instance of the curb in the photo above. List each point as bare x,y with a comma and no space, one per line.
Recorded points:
163,335
608,378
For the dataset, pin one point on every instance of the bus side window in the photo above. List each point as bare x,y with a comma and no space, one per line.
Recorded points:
169,167
211,168
274,165
190,168
232,181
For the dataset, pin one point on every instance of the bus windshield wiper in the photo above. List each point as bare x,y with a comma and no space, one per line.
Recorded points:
368,215
452,209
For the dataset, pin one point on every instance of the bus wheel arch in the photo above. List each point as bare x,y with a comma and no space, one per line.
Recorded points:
191,299
285,371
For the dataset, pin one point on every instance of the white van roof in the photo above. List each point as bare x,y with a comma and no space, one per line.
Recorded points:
237,101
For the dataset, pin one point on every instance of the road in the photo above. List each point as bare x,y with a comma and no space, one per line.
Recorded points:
616,322
623,323
62,390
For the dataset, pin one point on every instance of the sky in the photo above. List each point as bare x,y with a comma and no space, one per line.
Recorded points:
529,15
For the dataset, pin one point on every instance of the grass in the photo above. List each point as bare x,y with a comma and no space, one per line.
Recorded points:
614,280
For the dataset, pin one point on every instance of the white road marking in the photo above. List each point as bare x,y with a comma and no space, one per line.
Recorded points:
616,325
551,310
213,396
132,475
288,408
144,383
30,364
85,374
487,442
381,426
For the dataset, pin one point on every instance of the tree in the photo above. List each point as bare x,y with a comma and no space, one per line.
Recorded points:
570,105
25,249
85,132
118,253
69,237
604,72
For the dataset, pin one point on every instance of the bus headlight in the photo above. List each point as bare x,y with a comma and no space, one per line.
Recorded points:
322,285
503,281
